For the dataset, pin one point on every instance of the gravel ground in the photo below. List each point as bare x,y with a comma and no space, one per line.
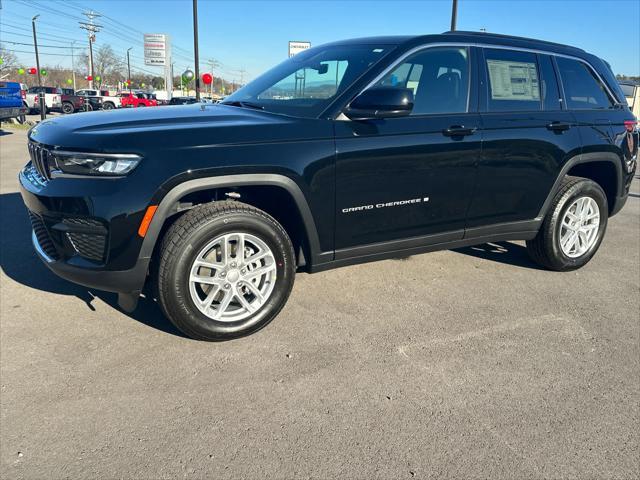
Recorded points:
459,364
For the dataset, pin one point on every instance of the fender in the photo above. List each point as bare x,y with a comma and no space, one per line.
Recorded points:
165,207
580,159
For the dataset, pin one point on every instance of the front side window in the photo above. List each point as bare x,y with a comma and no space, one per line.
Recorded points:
307,83
582,89
513,81
439,78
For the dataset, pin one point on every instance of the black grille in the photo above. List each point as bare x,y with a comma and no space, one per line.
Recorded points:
42,236
41,159
88,244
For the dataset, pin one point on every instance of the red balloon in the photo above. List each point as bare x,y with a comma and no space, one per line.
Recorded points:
32,71
207,78
89,77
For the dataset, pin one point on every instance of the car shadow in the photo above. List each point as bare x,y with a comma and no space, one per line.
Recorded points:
19,262
502,252
5,132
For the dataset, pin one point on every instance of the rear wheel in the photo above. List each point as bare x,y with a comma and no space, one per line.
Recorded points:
67,107
226,269
108,106
574,227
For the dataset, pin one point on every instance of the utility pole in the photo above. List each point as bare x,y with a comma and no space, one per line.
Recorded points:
195,48
242,72
213,64
454,14
73,67
41,102
129,69
92,29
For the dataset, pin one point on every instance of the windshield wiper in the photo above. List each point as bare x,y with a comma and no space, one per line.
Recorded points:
238,103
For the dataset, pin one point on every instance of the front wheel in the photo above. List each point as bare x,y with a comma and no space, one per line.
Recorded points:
108,106
573,228
226,269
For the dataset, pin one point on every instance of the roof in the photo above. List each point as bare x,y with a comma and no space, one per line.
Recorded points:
466,37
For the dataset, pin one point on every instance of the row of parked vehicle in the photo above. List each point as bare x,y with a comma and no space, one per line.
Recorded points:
66,100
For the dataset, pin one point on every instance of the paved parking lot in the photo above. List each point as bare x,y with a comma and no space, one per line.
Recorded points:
460,364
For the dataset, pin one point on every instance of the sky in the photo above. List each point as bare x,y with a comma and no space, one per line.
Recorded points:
248,37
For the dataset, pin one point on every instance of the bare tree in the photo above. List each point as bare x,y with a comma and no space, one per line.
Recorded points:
9,61
106,65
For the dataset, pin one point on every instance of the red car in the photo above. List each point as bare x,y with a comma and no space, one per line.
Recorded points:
147,99
137,99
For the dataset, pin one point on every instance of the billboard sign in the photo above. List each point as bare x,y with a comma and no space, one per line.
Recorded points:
297,47
156,49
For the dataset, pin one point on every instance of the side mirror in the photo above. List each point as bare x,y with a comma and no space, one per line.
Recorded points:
381,102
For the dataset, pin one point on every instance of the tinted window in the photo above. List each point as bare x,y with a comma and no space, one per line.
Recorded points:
581,88
627,90
513,81
439,78
308,82
549,83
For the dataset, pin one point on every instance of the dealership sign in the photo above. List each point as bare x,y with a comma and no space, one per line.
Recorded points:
297,47
155,49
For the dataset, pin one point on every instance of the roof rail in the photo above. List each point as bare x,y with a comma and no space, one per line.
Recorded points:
509,37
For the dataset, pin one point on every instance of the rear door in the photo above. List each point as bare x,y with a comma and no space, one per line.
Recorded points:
527,136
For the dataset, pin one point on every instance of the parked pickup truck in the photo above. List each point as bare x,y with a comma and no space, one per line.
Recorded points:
147,99
11,105
52,98
72,103
109,102
129,100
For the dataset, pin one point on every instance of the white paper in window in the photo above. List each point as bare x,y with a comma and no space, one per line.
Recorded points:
513,80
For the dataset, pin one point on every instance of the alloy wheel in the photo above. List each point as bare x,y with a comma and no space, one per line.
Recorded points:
232,277
579,228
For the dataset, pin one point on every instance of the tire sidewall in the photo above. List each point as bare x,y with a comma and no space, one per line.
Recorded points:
183,305
582,189
67,108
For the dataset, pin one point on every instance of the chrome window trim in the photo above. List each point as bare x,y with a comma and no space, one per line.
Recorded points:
419,48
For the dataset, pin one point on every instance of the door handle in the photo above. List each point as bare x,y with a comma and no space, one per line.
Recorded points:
458,131
558,126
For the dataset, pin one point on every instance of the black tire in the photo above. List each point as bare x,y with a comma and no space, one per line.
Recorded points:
67,108
108,106
141,105
185,240
545,248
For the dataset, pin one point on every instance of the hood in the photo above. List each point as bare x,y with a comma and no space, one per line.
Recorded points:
140,129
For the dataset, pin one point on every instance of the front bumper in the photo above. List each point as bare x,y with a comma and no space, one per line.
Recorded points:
78,239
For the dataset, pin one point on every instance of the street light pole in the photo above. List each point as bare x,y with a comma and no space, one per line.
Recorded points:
73,67
454,14
41,101
195,48
129,69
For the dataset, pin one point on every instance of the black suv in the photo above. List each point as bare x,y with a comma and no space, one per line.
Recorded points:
348,152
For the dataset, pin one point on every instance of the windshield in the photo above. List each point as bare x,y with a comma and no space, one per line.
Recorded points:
307,83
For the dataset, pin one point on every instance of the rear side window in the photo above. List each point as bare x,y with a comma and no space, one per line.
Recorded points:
439,78
514,83
582,89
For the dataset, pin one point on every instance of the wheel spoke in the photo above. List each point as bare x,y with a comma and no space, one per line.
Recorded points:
208,264
260,271
255,291
244,302
206,303
205,280
224,303
256,257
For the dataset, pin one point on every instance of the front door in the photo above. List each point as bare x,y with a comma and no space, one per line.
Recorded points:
411,177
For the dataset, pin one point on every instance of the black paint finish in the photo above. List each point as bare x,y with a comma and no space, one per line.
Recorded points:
489,179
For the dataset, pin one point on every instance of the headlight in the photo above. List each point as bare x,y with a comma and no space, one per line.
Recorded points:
107,164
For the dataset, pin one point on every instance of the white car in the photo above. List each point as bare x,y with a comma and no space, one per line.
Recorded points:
109,102
52,98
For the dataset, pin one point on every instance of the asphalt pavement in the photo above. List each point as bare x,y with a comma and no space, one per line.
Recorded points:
471,363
